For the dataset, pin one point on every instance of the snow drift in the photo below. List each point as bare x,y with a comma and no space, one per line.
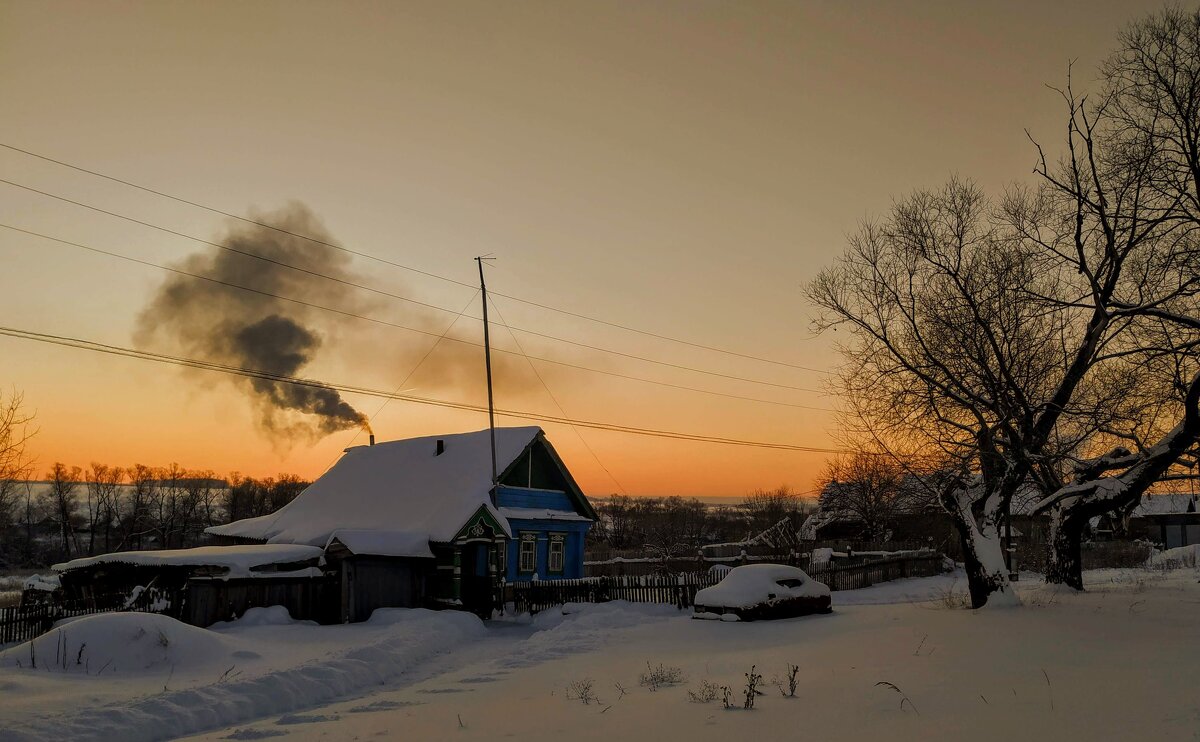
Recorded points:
125,643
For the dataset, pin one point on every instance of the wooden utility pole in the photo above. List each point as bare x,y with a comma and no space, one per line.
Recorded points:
487,360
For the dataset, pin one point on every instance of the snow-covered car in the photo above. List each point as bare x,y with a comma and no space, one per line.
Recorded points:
762,591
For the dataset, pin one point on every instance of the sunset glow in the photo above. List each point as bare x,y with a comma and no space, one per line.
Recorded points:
684,174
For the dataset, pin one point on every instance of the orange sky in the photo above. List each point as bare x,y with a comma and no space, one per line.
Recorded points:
682,167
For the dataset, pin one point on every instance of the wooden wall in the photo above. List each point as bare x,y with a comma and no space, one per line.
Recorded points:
370,582
306,598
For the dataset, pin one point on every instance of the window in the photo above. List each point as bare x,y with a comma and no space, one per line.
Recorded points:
558,543
527,556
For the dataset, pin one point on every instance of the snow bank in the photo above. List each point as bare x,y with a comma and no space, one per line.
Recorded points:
1179,557
752,584
125,643
275,615
293,674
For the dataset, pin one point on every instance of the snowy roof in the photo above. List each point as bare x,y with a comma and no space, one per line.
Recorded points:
383,543
239,560
401,487
542,514
1163,505
42,583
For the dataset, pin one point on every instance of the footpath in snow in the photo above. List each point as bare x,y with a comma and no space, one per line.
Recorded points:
1115,663
137,676
900,660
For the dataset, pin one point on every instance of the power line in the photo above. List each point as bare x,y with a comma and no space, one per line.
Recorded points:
557,404
412,371
396,324
116,350
394,264
352,283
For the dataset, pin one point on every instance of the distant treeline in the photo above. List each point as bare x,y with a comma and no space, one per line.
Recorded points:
675,526
81,512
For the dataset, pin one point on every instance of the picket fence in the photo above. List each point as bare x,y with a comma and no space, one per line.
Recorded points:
680,589
24,622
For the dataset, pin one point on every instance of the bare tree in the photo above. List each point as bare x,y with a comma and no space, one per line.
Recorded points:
765,508
204,492
136,515
673,527
15,432
866,487
62,503
996,337
15,468
948,361
1133,177
103,488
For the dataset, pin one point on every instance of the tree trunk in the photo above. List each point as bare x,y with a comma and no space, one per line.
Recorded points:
1072,507
983,557
1064,562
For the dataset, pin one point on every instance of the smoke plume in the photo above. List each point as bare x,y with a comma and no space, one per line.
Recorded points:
249,329
255,331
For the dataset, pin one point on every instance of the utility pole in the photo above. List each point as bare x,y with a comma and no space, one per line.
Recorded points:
487,360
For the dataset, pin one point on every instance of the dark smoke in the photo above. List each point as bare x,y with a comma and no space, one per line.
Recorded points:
205,320
254,331
279,344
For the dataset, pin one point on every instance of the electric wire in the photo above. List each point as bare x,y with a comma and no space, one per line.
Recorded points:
430,274
388,294
199,364
376,320
557,404
412,371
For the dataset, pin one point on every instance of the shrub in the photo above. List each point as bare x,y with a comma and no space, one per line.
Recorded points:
706,693
656,677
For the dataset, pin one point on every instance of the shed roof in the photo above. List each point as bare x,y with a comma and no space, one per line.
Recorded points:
238,560
401,487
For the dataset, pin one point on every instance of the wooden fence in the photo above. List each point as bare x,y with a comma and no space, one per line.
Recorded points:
855,576
620,564
24,622
680,589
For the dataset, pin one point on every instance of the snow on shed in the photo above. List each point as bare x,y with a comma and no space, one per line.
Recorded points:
226,561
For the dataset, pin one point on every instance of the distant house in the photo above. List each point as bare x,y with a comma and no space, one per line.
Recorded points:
1168,520
401,524
920,518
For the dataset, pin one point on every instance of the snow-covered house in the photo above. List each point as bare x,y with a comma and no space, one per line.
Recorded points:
415,522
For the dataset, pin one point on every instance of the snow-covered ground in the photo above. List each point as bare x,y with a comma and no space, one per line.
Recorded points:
1117,662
